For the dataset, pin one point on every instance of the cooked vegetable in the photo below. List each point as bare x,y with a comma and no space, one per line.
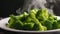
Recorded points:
28,26
37,20
48,24
15,23
42,14
55,24
38,25
51,17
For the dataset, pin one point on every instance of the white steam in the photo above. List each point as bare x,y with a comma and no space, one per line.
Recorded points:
30,4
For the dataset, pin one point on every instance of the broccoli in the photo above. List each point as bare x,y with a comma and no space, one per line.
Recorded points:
55,24
28,26
42,14
15,23
28,19
51,17
23,15
34,11
38,20
48,24
38,25
58,23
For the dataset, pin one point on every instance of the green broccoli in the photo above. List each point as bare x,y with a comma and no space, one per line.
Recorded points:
55,24
48,24
34,11
39,20
28,26
15,23
42,14
38,25
58,23
23,15
51,17
28,19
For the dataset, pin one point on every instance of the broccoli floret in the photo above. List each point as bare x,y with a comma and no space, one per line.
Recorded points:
48,24
24,14
15,23
51,17
28,19
28,26
38,25
58,23
34,11
55,24
55,18
42,14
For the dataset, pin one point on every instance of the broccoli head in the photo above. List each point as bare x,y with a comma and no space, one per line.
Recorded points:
42,14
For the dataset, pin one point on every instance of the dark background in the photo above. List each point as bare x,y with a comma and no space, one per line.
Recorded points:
8,7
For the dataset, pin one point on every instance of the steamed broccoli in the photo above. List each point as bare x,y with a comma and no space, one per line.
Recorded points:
38,25
34,11
42,14
23,16
35,20
58,24
48,24
28,26
55,24
15,23
51,17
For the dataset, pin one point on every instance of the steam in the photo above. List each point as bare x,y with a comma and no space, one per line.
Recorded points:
31,4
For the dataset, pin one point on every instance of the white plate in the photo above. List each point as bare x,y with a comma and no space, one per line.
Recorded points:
4,21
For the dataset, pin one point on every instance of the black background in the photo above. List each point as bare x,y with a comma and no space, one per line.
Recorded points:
8,7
